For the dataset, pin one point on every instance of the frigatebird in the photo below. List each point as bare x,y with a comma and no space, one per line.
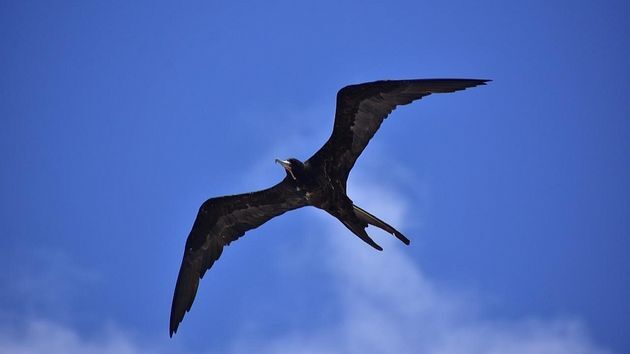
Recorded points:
319,181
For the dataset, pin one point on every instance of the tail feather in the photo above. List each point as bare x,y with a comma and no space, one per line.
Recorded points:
373,220
359,230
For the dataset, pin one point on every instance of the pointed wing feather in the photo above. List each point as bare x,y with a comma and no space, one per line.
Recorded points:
362,108
219,222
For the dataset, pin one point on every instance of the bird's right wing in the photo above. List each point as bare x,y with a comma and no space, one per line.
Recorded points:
219,222
362,108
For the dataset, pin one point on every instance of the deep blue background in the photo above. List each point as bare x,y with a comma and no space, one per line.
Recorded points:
119,119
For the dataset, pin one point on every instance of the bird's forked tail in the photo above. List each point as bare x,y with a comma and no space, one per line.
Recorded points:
373,220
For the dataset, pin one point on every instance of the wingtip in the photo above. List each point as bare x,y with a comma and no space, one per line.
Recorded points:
452,85
479,82
172,331
172,327
472,82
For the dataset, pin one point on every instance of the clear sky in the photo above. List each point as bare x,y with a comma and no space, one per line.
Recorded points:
118,120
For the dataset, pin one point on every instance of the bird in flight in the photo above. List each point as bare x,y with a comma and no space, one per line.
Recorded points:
319,181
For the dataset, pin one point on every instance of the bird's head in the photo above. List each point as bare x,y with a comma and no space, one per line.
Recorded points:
293,167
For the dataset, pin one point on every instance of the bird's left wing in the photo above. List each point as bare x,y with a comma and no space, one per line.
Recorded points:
219,222
362,108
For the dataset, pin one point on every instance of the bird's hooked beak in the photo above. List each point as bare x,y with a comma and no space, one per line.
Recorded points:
287,166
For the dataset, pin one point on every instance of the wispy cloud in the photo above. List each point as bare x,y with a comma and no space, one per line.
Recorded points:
41,336
42,292
42,281
388,305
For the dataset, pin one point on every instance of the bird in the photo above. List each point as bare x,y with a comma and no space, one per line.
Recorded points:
320,181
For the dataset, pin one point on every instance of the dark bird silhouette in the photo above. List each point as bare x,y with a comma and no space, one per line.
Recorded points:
320,181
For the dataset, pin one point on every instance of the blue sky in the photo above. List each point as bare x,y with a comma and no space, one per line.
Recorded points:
119,119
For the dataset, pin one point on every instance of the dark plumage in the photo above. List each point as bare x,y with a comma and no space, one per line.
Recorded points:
319,182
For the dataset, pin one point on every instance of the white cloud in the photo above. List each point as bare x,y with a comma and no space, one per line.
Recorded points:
390,306
43,286
44,282
40,336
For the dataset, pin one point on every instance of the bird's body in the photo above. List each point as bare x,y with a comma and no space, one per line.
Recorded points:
320,181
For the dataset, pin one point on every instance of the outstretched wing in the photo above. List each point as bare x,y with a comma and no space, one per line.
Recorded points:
219,222
362,108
